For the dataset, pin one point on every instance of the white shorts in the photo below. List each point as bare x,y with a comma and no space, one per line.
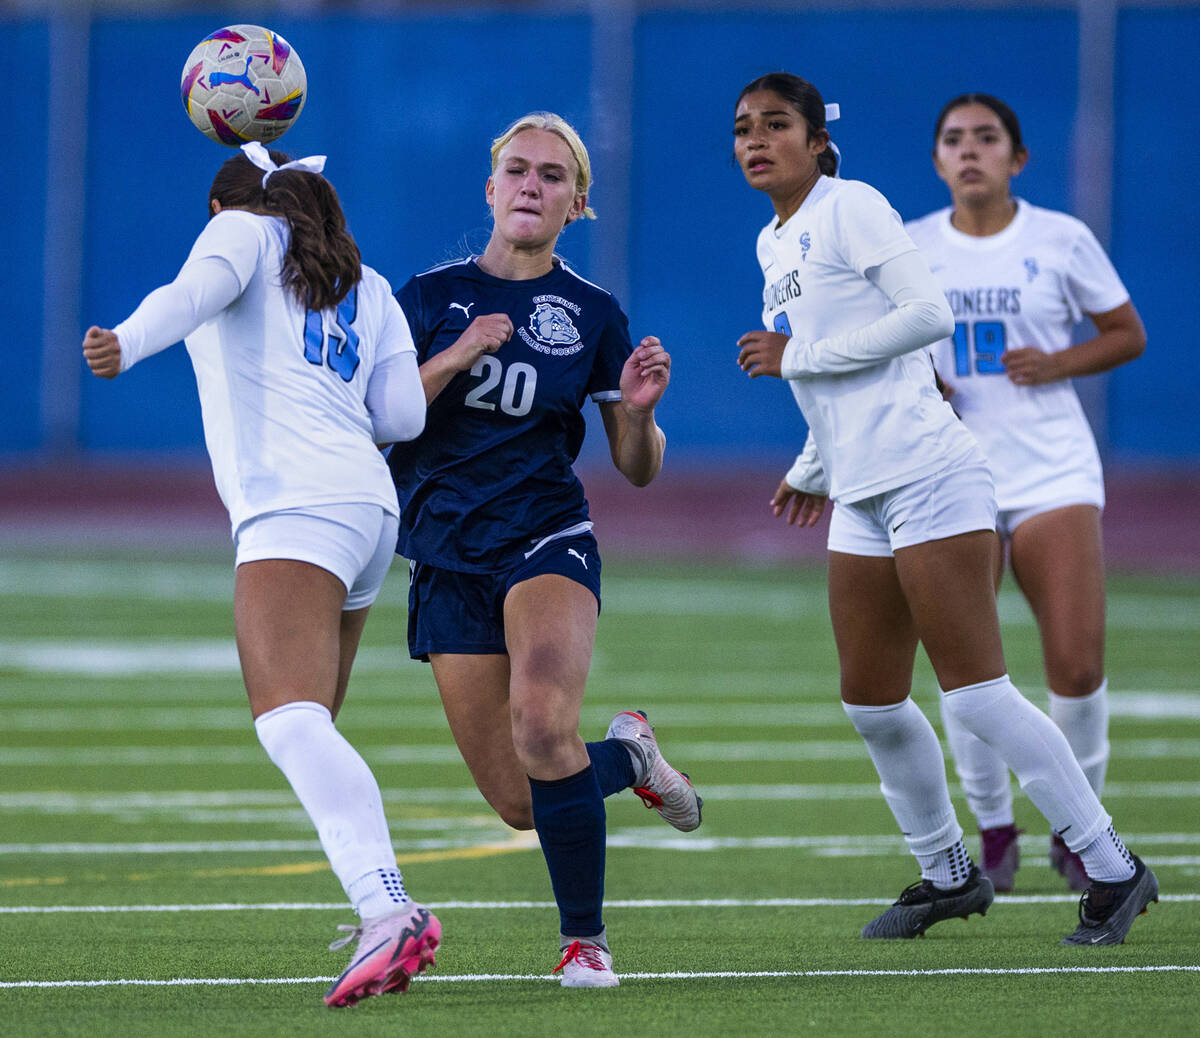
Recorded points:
957,499
354,542
1008,519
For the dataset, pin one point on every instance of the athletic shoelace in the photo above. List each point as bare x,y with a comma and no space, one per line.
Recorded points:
354,933
585,954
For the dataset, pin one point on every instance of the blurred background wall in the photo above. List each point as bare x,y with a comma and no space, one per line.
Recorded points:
105,180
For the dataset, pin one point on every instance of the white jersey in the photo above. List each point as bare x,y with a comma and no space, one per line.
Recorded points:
1026,286
281,390
885,425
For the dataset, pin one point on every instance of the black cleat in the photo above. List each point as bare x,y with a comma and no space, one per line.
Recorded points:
922,904
1107,910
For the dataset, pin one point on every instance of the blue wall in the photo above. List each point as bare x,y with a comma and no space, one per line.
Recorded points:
23,48
1156,231
406,109
692,261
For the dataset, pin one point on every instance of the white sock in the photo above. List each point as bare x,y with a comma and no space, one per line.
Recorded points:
1037,752
1107,859
1084,721
948,869
342,798
908,757
984,776
377,893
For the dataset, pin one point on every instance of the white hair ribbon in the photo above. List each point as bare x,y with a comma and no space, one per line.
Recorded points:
833,112
837,170
259,155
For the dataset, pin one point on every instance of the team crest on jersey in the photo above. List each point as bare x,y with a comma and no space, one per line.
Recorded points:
1031,268
551,329
552,325
805,245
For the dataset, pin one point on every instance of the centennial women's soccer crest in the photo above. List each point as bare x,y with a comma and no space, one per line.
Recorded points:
552,325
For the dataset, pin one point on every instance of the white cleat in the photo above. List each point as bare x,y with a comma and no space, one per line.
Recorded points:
586,965
659,785
391,951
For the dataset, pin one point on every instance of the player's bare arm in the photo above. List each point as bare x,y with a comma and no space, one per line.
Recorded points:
486,334
1120,338
102,351
635,441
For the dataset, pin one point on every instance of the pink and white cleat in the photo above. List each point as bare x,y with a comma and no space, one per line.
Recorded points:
587,965
391,951
659,785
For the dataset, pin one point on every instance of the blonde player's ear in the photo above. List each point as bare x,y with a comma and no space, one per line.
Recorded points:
489,192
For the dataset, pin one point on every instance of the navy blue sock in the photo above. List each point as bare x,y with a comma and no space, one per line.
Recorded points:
569,817
614,766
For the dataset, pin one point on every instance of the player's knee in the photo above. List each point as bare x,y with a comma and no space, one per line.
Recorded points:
1074,678
538,735
515,815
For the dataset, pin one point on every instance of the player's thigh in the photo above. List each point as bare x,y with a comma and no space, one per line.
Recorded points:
380,527
474,692
287,615
873,628
327,558
1058,560
350,634
550,627
950,590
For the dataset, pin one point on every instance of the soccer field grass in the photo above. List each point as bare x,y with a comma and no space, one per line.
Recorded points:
158,878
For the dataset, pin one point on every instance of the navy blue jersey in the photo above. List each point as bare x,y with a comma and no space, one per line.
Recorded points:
492,471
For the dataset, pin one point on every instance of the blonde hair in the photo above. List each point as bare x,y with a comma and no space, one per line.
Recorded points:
559,126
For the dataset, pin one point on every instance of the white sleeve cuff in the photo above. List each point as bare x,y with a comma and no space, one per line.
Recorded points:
807,474
792,364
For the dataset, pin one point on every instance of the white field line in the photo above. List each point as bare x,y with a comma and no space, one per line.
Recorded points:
1145,705
489,906
124,803
628,838
213,582
235,717
780,750
452,978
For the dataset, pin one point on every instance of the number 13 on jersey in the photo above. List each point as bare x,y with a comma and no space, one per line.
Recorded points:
340,344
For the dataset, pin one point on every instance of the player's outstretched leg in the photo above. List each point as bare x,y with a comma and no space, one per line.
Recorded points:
1107,910
659,785
922,904
391,950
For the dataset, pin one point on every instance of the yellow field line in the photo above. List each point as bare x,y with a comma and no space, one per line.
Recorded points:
519,841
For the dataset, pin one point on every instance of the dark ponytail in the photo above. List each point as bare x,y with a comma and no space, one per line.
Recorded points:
322,263
807,100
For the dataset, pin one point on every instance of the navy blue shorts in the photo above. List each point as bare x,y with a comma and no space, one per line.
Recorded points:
463,613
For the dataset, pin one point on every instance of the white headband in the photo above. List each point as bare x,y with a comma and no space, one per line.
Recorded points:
259,155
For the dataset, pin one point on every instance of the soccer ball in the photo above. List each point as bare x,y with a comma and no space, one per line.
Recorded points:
243,83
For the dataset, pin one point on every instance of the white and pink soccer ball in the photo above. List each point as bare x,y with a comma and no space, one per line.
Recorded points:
243,83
